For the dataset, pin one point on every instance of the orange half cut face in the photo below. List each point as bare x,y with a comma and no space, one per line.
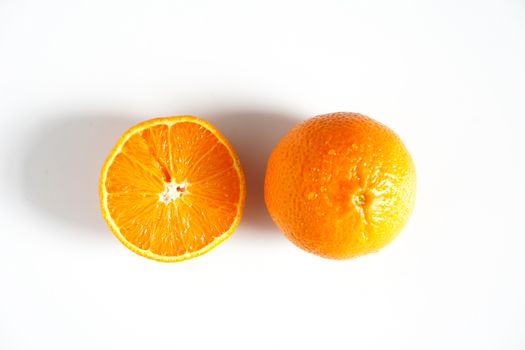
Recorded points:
172,188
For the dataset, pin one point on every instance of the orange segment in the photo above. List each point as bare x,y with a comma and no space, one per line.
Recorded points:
128,175
172,188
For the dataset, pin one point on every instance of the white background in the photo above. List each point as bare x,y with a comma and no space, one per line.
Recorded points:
447,76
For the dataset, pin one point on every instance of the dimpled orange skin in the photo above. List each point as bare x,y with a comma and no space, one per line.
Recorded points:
340,185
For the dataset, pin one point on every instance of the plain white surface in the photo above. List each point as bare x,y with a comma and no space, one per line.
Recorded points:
447,76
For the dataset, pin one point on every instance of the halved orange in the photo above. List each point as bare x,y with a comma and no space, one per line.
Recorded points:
172,188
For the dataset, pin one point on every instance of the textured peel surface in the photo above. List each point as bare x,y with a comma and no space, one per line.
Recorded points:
340,185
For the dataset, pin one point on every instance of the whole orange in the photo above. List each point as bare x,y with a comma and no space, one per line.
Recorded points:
340,185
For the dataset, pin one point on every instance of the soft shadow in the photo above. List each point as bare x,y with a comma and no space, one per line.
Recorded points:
253,134
62,166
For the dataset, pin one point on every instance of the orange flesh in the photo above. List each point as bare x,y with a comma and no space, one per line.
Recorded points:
172,188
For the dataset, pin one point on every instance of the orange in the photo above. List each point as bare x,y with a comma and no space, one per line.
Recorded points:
340,185
172,188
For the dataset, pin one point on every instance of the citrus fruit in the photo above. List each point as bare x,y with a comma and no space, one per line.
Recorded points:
340,185
172,188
